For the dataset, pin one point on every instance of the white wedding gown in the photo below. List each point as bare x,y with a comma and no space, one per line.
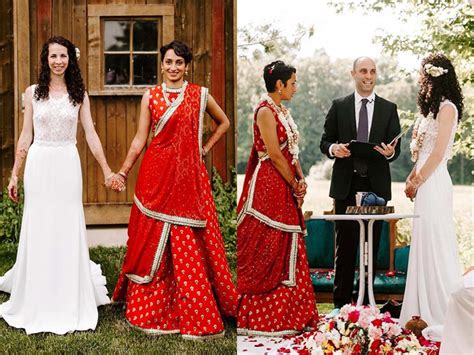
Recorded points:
434,269
54,286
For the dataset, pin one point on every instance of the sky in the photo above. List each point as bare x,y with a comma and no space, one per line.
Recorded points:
347,35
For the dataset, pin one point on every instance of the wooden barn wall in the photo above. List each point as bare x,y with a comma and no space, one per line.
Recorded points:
7,128
208,26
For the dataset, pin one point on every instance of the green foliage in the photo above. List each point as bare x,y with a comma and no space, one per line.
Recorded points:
261,40
225,198
10,216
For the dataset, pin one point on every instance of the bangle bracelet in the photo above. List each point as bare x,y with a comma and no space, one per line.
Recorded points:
121,173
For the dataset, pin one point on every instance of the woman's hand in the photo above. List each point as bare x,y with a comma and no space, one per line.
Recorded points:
118,182
410,190
13,188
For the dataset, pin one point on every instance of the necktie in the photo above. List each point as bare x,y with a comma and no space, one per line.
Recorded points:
363,129
360,164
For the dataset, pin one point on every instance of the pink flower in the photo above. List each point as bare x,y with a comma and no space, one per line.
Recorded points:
320,338
374,332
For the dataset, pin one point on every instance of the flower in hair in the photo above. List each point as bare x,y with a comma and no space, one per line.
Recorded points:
270,70
433,71
78,53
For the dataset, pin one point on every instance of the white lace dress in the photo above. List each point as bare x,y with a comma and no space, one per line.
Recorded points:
434,269
54,286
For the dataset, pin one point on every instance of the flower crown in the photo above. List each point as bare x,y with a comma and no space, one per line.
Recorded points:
433,71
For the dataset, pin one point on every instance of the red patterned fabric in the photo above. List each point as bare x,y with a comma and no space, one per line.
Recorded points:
283,310
192,285
268,222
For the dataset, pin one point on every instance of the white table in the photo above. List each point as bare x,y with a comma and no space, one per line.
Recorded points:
365,248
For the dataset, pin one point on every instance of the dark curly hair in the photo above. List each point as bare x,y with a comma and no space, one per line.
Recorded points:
275,71
72,76
180,49
433,90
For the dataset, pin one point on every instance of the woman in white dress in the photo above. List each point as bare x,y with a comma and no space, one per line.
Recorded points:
434,269
54,286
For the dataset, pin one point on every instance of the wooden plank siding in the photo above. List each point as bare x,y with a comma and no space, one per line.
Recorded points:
7,128
207,26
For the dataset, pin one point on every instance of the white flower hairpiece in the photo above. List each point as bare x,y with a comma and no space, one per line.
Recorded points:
430,69
78,53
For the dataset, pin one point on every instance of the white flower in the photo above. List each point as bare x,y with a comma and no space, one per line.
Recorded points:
78,53
434,71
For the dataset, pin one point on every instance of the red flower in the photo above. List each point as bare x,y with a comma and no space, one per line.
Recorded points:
332,325
375,345
354,316
390,273
377,322
284,350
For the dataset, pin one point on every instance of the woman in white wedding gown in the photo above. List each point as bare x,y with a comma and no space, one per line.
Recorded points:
434,269
54,286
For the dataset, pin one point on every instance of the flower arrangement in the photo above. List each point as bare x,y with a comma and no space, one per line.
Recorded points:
291,128
434,71
362,330
417,139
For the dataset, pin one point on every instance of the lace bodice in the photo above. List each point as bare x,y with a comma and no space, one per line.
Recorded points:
55,121
425,133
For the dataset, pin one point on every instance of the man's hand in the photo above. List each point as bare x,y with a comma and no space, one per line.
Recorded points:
387,150
340,150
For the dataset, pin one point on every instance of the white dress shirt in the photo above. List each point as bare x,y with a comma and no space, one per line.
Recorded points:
370,108
358,104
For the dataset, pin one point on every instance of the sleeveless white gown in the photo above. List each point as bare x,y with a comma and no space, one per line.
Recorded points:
434,269
54,286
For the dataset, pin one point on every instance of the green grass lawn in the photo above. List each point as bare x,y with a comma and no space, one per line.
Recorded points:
112,334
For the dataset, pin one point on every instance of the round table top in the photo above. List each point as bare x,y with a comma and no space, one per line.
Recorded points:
355,217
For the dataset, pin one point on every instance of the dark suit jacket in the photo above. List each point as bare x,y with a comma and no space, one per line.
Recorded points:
340,127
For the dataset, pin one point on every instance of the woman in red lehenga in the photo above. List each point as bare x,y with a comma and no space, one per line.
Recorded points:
175,277
273,277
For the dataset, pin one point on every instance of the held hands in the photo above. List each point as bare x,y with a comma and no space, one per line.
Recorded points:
299,191
386,150
13,188
412,185
116,182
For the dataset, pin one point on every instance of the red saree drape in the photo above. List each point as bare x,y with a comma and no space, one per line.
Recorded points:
175,277
272,267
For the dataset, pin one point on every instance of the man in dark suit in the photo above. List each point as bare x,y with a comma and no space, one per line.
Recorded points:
361,116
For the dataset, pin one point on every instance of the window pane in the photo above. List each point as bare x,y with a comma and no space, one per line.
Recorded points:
145,36
117,35
117,69
144,69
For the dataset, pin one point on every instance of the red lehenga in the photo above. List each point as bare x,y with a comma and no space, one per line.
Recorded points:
175,277
273,279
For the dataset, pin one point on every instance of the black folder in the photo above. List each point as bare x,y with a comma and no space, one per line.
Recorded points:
363,149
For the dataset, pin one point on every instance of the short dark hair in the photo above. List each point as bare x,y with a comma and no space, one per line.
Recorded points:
181,49
275,71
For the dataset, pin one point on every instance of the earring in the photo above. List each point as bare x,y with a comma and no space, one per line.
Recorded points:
162,71
186,72
279,92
